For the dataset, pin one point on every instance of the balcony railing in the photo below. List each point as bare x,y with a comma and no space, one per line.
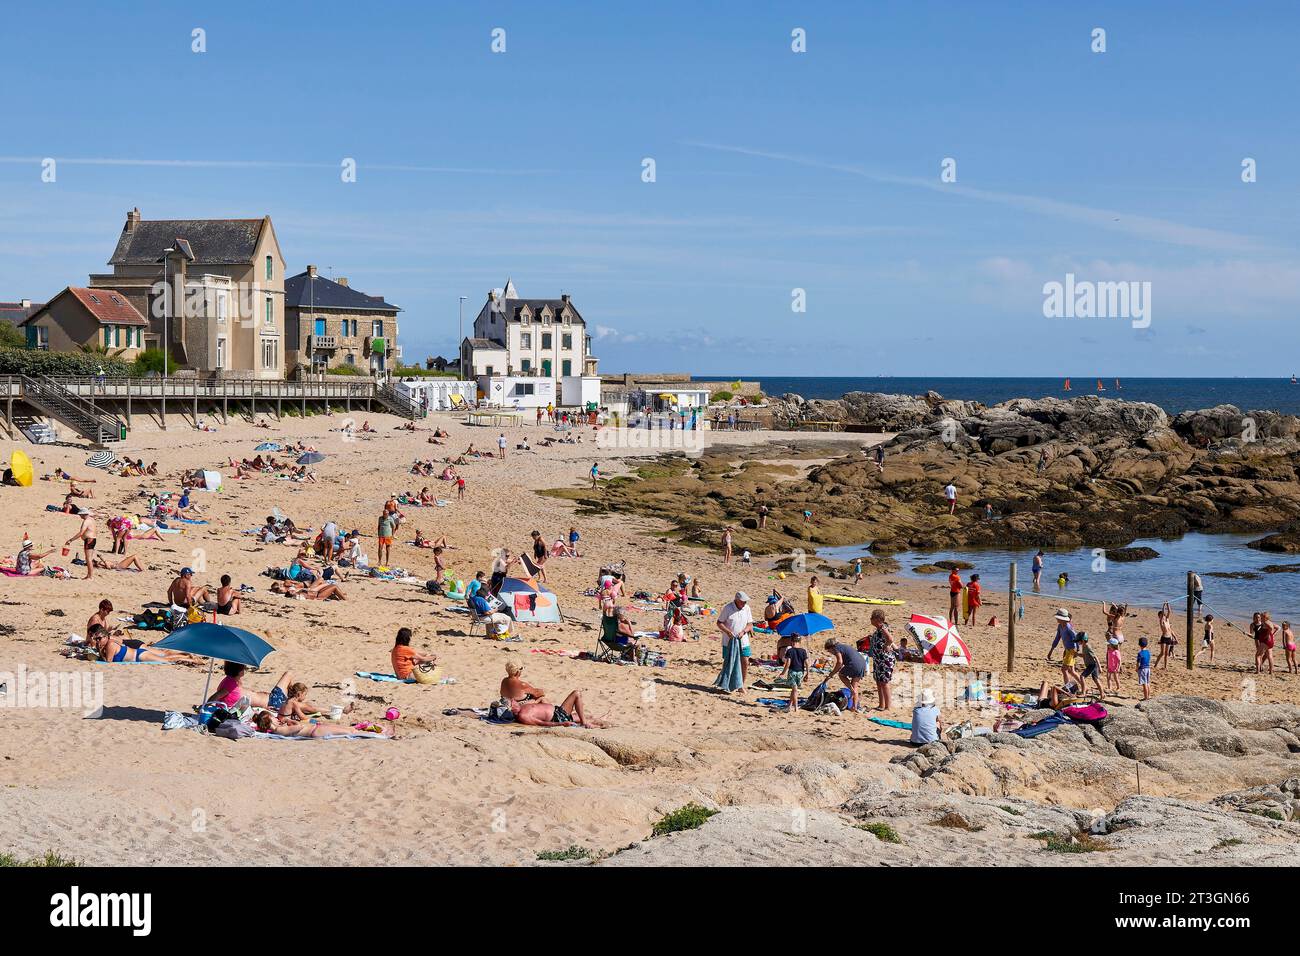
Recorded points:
322,342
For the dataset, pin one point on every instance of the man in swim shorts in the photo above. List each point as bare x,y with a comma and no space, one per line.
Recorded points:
541,714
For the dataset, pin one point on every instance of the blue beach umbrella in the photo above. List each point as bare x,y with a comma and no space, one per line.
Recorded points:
311,458
217,642
805,624
268,446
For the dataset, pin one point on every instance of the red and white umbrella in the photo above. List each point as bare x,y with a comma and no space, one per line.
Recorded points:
939,640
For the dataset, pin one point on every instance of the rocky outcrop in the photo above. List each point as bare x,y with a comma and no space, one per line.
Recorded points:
1091,471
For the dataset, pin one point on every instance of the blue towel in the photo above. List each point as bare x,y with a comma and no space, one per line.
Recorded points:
731,677
385,678
1044,726
886,722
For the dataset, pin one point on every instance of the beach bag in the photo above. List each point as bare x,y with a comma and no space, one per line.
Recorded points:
233,729
817,698
194,615
425,673
154,619
433,587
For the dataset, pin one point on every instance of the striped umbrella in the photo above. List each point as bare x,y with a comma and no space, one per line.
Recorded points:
101,459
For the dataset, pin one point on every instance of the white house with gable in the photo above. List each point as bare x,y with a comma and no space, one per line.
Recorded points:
520,338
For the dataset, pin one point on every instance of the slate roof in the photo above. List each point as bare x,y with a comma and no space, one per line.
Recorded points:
321,293
108,306
485,344
15,313
213,241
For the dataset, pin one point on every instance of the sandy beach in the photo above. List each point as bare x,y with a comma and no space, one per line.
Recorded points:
117,789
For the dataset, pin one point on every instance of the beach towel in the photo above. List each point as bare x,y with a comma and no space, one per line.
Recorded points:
775,703
1044,726
886,722
386,678
731,678
1086,713
351,735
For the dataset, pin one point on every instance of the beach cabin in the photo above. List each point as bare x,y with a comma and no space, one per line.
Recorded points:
436,394
580,391
518,391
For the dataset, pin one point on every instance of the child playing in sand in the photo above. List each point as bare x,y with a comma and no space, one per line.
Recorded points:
795,666
1113,664
1207,640
1144,668
295,703
1091,668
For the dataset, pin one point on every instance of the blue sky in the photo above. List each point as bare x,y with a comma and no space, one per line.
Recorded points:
775,170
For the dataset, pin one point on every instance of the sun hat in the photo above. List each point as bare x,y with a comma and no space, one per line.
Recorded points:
1062,614
927,697
1113,641
742,597
1082,636
185,571
772,599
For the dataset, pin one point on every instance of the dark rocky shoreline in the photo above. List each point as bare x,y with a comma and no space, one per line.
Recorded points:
1087,472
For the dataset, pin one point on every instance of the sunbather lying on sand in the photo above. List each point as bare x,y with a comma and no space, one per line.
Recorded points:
316,591
540,714
1058,697
115,650
267,723
120,562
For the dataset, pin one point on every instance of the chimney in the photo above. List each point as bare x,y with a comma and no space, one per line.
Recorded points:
492,295
311,271
564,297
27,303
133,219
343,281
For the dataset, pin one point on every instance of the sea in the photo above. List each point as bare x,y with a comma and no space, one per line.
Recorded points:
1174,395
1146,583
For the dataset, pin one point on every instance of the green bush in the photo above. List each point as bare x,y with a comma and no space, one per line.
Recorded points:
151,360
722,396
882,832
344,369
39,362
49,859
419,371
11,337
573,852
689,817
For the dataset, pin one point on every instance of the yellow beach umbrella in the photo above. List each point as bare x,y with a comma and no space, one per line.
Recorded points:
21,466
668,397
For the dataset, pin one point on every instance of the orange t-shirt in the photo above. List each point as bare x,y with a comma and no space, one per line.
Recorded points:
403,661
954,583
973,594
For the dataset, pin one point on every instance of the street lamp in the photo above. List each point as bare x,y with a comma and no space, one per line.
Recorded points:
166,349
461,341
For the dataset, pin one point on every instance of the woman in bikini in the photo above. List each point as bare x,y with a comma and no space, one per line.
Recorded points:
120,562
268,723
1164,615
116,651
317,591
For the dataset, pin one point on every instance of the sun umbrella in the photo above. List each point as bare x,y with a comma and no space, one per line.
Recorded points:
268,446
804,624
101,459
21,468
217,641
311,458
939,640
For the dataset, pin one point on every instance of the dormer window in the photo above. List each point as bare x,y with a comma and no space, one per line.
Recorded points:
525,317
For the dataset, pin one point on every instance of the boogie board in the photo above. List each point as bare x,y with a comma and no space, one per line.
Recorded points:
850,599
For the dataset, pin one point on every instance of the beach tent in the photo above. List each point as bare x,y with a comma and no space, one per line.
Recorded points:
939,640
212,480
530,603
21,467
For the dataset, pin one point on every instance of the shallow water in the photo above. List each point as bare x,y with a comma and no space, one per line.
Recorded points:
1141,583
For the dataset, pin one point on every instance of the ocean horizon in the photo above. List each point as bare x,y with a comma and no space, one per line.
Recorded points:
1174,395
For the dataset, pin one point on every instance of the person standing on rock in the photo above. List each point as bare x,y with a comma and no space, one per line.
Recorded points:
762,516
950,493
1038,570
880,459
1144,668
